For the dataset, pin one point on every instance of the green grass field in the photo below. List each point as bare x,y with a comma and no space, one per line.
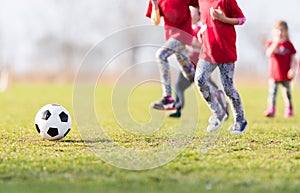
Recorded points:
265,159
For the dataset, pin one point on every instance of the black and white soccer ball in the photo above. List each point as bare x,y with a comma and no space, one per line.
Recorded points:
53,122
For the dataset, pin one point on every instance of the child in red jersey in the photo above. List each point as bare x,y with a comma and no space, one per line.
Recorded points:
178,33
219,50
282,68
182,83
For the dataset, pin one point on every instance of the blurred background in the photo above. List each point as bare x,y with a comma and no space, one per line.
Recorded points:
48,39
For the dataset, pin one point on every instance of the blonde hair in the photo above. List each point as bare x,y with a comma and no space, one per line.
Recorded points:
282,24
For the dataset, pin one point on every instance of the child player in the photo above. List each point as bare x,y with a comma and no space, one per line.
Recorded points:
183,83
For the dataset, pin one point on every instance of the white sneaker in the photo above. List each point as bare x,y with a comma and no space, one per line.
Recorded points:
216,120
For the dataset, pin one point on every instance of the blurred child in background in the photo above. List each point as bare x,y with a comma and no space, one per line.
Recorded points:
282,68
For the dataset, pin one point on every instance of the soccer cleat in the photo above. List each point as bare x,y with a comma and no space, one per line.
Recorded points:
270,112
166,103
239,127
216,120
177,114
288,112
221,99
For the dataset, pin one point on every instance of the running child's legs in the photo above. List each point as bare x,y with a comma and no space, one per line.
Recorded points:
203,73
227,73
212,84
187,67
173,46
162,56
181,85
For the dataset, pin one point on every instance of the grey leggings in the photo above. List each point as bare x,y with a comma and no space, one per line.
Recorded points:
203,72
286,93
182,84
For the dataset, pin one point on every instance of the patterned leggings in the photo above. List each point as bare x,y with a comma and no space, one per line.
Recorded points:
286,92
182,84
203,72
173,46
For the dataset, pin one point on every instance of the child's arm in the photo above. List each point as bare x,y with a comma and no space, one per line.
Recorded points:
219,15
271,49
294,66
155,15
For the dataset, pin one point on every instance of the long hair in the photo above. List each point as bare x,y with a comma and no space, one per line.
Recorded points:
284,25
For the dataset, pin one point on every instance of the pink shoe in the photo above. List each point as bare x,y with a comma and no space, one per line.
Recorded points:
288,112
270,112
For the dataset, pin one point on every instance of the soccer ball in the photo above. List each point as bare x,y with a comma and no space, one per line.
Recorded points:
53,122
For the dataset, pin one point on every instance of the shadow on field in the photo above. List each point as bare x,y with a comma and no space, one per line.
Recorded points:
87,141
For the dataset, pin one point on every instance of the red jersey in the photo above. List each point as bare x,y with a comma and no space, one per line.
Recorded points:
280,60
177,18
219,39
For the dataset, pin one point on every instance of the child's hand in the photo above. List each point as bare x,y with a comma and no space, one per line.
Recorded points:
291,74
217,14
200,33
294,68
